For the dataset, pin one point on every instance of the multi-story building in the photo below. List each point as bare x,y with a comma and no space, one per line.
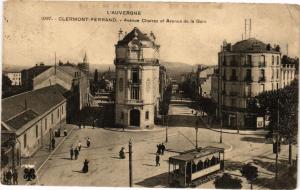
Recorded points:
137,79
246,69
204,76
28,75
14,77
288,70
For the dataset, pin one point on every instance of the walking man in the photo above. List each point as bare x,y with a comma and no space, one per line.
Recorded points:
71,153
15,177
76,153
158,149
9,176
88,142
79,146
157,160
163,148
53,143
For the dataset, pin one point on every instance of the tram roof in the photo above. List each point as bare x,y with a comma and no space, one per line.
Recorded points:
194,154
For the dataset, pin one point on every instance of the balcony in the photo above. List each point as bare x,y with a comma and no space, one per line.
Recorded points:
261,64
134,102
248,79
135,83
233,93
262,79
130,60
233,63
233,78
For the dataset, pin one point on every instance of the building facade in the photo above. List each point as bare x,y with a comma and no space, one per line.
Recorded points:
137,80
31,116
246,69
15,78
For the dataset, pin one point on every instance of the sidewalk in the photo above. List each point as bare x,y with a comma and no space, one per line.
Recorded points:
42,155
135,129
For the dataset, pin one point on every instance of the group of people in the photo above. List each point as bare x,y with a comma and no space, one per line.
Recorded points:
82,124
160,151
10,177
74,152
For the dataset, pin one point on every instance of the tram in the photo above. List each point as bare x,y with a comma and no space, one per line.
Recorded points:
195,166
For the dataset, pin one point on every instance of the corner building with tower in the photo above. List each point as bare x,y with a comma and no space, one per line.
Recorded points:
137,79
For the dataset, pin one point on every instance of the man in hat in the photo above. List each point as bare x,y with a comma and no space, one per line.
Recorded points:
71,153
157,160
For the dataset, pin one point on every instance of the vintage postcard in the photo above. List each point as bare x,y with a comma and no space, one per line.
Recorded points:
150,94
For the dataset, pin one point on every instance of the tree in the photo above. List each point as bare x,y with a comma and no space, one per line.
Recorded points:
250,173
96,76
227,182
265,104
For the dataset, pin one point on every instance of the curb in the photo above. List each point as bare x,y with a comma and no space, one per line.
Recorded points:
155,129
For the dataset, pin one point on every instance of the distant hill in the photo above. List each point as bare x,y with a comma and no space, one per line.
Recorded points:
13,68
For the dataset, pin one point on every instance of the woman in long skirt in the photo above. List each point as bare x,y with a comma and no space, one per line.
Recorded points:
85,168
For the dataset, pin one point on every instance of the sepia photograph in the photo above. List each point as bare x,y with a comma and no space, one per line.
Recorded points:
150,94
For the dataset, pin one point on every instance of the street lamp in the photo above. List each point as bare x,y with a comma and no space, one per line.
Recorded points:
221,131
196,128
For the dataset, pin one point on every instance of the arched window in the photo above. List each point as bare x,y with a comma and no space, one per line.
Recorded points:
121,84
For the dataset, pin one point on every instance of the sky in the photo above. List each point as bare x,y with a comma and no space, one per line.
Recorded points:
28,39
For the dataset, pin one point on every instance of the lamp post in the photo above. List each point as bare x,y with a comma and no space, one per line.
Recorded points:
166,127
196,128
221,131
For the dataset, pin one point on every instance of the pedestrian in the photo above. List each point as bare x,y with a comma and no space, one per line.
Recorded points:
163,148
71,153
122,153
79,145
158,149
65,132
9,176
157,160
15,177
88,142
79,124
85,168
94,123
53,143
76,153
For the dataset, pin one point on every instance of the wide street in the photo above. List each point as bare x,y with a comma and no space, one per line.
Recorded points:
106,169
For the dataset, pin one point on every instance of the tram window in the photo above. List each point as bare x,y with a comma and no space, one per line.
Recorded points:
213,160
200,165
194,168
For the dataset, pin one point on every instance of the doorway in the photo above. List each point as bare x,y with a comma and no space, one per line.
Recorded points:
135,117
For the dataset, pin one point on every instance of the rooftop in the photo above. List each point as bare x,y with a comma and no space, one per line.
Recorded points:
253,45
20,109
191,155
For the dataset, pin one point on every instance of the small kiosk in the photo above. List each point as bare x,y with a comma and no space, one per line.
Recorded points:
195,165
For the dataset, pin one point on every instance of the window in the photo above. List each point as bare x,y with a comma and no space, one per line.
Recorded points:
58,113
277,73
120,84
248,90
248,75
262,75
273,73
272,86
51,118
224,74
277,86
135,93
272,59
277,60
135,76
62,109
233,75
25,140
262,60
147,115
233,102
36,131
262,87
249,60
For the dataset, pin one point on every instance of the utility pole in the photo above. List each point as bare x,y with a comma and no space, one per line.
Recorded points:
277,148
166,128
221,131
130,163
196,133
